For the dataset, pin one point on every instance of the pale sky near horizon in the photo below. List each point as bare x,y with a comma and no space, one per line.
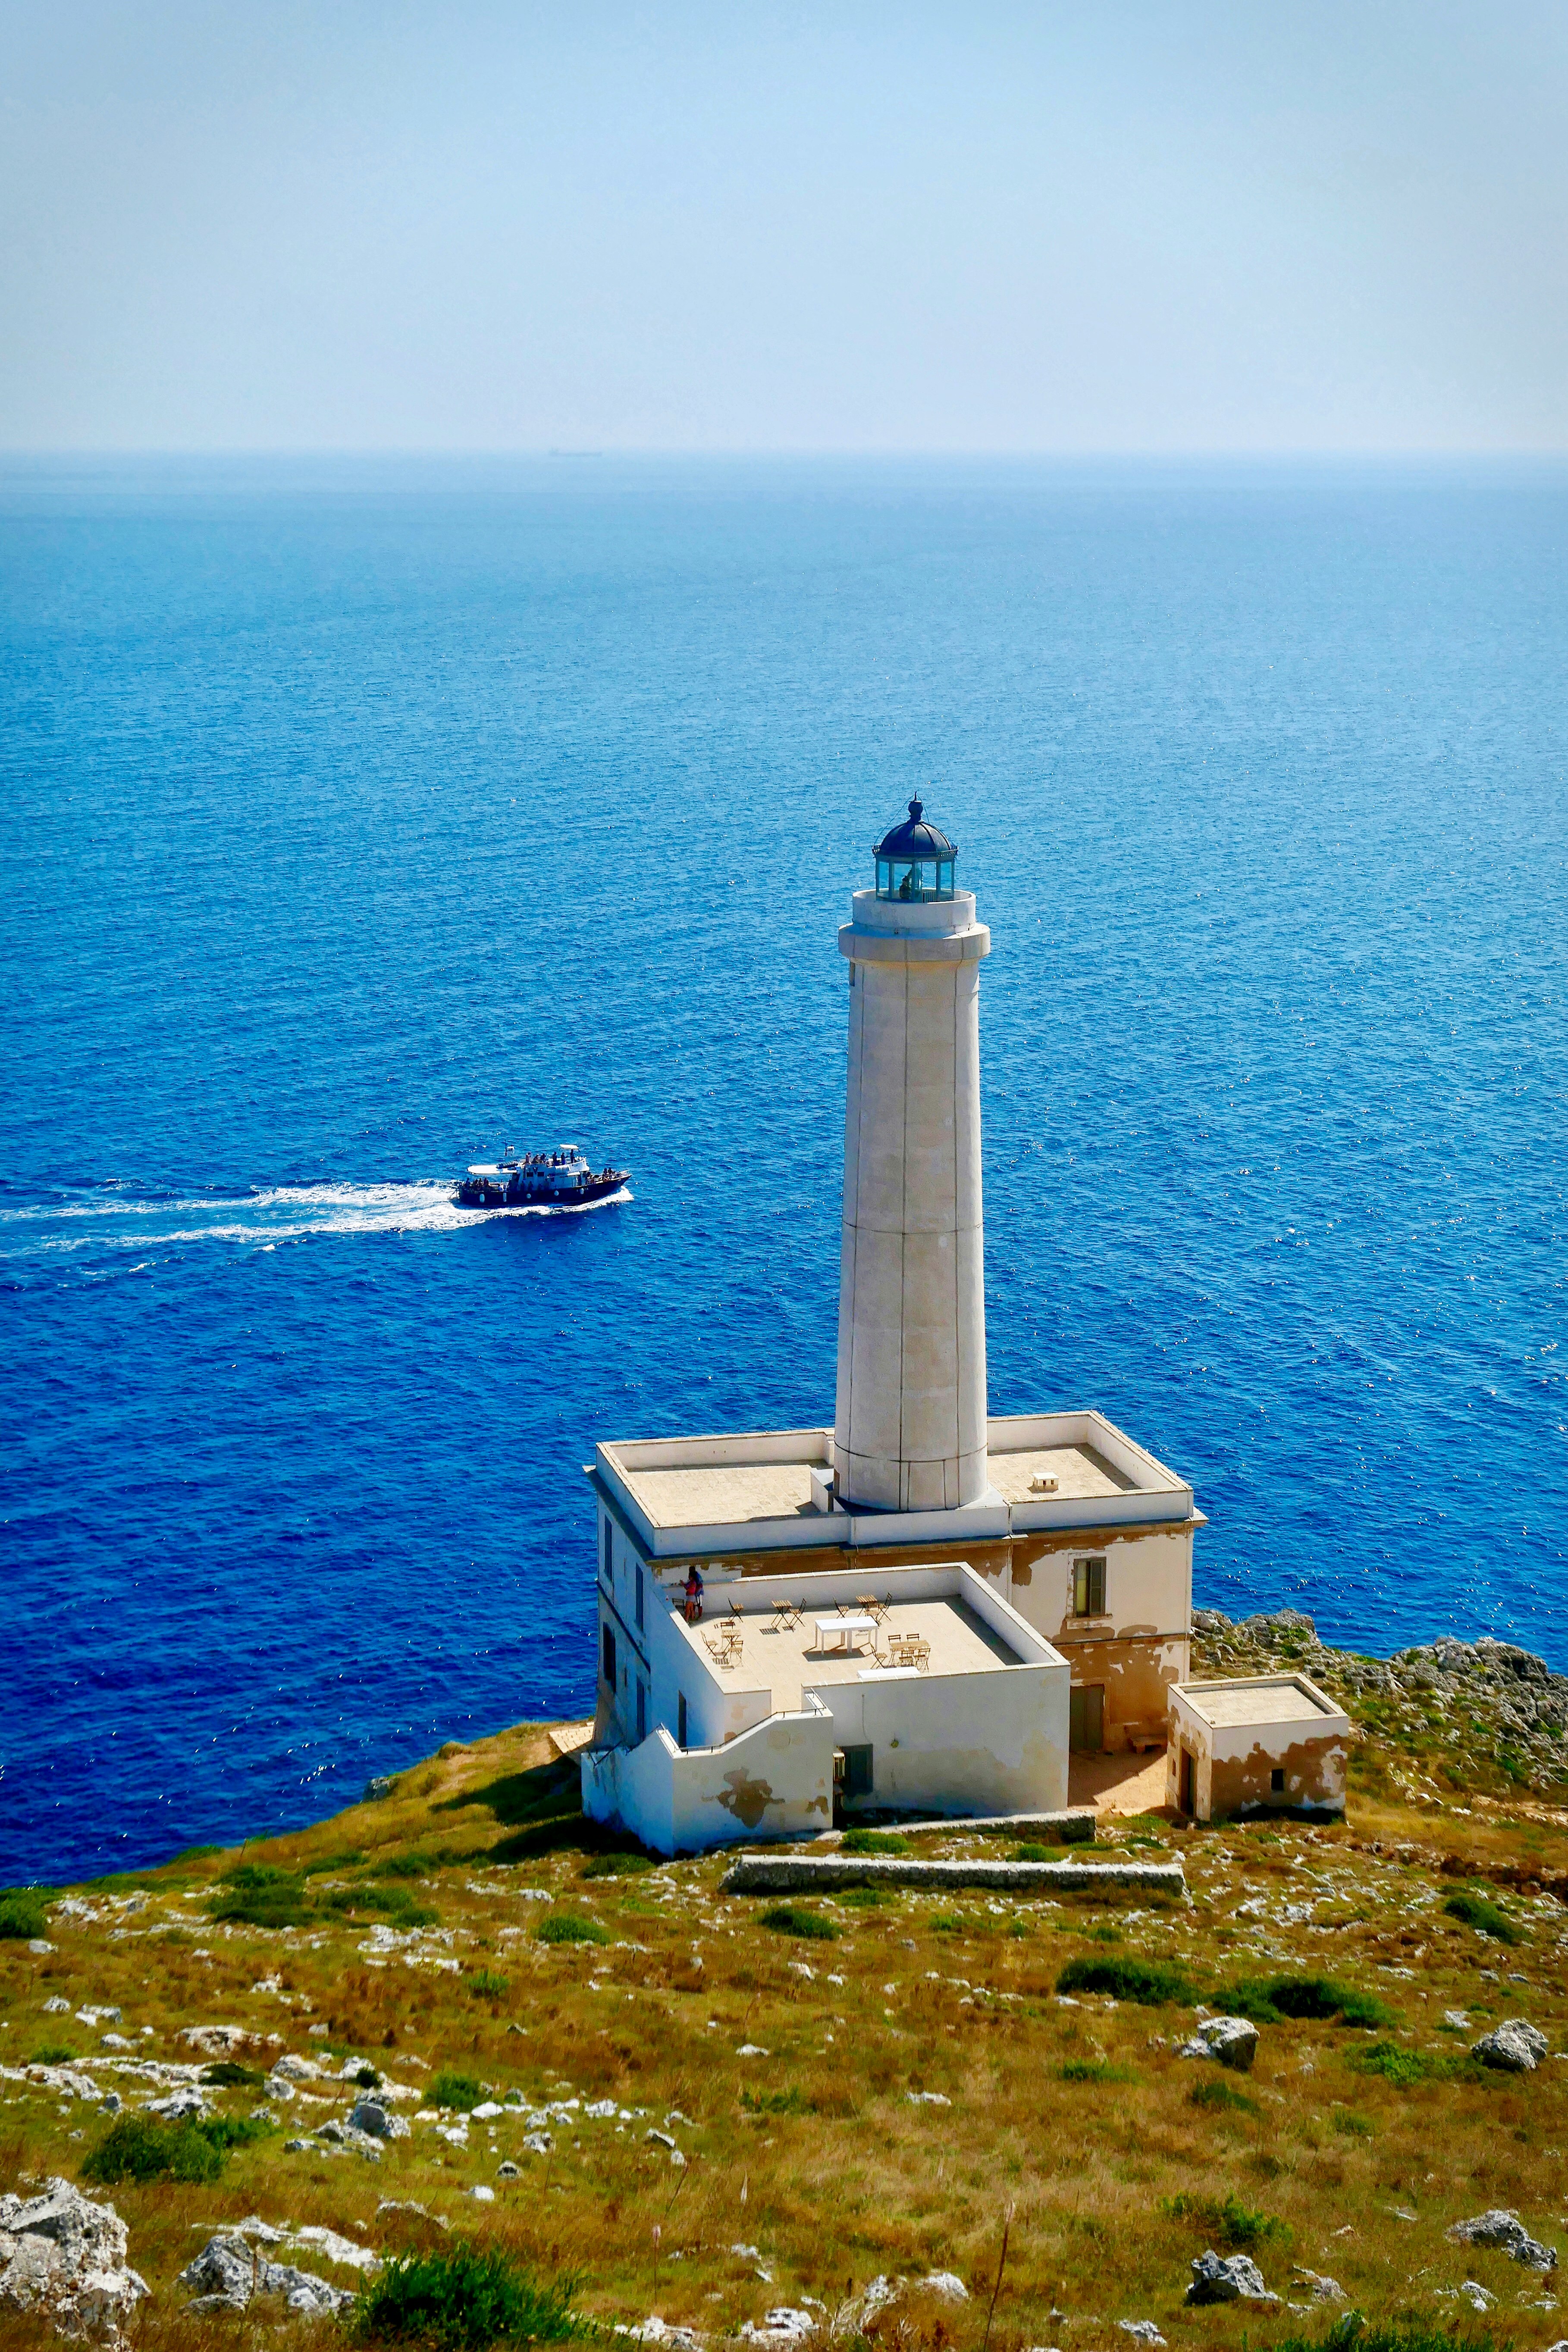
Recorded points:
974,227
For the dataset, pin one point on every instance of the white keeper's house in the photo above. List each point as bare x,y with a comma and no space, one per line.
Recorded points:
921,1610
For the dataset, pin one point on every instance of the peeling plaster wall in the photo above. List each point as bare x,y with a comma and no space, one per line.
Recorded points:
774,1780
1233,1767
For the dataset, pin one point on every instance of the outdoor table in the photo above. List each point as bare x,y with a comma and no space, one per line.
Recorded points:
845,1634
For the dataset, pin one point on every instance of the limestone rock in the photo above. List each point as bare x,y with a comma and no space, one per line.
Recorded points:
228,2274
1515,2046
185,2105
783,2326
296,2070
1229,2279
217,2040
63,2255
1233,2040
1501,2228
1143,2331
1320,2287
370,2116
946,2285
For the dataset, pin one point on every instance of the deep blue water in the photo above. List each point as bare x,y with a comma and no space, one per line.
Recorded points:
357,822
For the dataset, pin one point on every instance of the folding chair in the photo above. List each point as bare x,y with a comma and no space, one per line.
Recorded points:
870,1606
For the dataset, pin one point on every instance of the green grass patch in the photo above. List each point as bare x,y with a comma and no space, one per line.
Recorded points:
348,1861
1094,2070
1355,2334
228,2074
948,1922
866,1898
21,1914
1150,1983
465,2299
1392,2061
366,2078
774,2102
1222,2097
571,1927
618,1865
1351,2126
53,2053
1270,2001
404,1866
875,1841
395,1904
794,1919
139,2147
1228,2221
258,1896
1478,1912
450,2089
1031,1850
224,2132
484,1984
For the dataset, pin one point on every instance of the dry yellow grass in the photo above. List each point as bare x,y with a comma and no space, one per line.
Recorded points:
815,2153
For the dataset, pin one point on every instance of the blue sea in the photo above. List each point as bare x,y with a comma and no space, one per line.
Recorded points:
360,820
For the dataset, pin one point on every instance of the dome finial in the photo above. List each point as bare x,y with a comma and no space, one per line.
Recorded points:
917,811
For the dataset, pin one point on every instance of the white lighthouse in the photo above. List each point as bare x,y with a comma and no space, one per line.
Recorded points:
910,1430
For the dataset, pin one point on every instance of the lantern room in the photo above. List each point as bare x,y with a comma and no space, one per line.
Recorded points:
914,861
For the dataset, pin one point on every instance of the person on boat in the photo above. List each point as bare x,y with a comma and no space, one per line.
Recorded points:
693,1588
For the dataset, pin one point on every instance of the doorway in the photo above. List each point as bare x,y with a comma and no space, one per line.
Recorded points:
1085,1718
1184,1784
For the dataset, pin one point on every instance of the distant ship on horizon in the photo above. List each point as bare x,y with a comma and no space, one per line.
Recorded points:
538,1179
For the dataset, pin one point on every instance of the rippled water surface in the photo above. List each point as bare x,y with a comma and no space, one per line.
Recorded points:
358,823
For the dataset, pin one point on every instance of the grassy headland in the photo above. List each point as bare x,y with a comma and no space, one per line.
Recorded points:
875,2095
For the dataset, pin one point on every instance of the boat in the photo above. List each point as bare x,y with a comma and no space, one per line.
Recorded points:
538,1179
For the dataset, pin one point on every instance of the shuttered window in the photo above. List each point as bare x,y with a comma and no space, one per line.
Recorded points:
1088,1588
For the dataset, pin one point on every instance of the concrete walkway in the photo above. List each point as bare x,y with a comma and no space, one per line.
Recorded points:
1126,1783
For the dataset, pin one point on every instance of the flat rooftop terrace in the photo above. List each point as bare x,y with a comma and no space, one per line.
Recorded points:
1257,1700
766,1489
788,1660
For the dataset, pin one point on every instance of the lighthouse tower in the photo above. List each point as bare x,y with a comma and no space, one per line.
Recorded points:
910,1428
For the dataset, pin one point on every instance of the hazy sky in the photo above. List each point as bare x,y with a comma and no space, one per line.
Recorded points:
1103,226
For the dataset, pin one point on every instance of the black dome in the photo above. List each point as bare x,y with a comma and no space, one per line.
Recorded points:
915,838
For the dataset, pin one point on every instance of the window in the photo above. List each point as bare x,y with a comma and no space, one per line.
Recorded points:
1276,1780
609,1656
681,1719
639,1597
609,1564
1088,1588
856,1772
642,1711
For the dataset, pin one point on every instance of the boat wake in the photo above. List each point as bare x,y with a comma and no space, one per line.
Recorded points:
103,1225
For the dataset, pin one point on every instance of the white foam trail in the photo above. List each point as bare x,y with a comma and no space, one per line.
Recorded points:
283,1212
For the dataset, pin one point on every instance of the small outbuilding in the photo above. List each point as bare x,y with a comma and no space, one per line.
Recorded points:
1259,1744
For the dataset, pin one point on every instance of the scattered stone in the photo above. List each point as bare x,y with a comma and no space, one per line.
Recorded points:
39,1948
370,2116
927,2099
65,2257
1233,2040
1457,2020
56,2006
1514,2046
1501,2228
1231,2278
752,2050
509,2171
601,2110
407,2205
185,2105
661,2138
484,2192
783,2326
1479,2297
228,2274
1143,2331
537,2143
109,2103
217,2040
1322,2288
327,2241
381,1785
486,2109
946,2285
654,2331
